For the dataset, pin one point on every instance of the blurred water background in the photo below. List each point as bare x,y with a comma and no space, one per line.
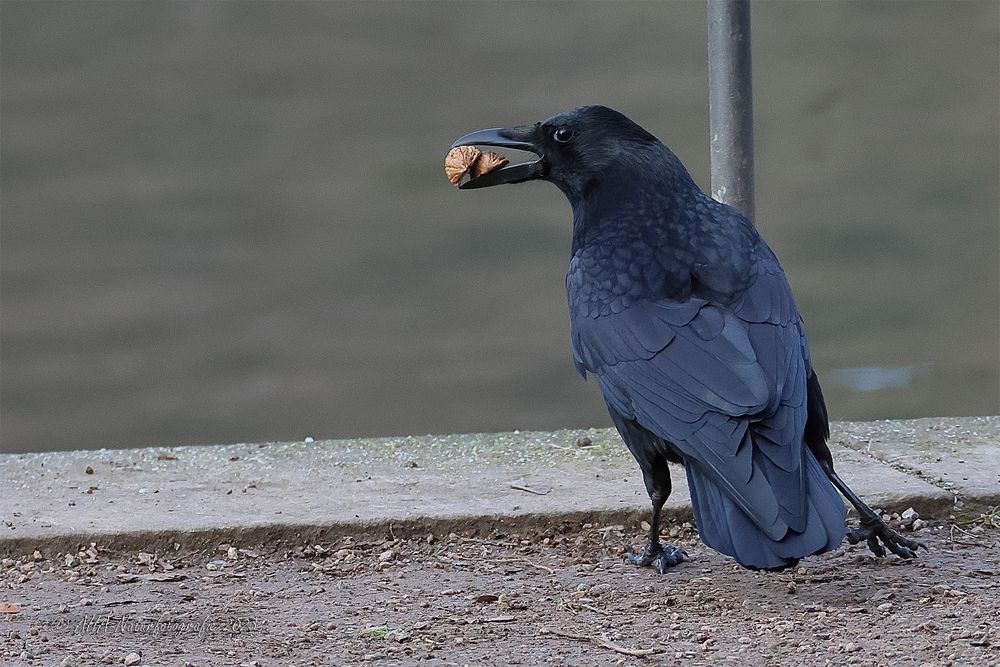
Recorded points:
227,221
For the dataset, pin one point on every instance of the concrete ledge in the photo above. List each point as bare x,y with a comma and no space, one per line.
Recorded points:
960,455
196,497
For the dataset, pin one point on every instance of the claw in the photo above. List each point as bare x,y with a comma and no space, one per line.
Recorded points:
669,557
661,557
876,547
642,560
880,537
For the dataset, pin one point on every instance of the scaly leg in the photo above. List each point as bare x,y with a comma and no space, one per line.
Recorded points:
872,529
659,556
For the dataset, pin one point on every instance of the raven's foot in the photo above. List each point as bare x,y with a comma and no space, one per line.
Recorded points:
881,537
662,557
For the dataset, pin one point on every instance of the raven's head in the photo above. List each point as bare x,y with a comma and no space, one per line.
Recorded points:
575,150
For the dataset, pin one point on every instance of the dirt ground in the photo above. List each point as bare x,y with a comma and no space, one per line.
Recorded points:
561,597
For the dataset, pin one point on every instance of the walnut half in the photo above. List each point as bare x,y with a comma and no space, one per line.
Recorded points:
459,161
463,160
486,163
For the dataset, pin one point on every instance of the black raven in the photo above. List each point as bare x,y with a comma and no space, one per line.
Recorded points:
684,316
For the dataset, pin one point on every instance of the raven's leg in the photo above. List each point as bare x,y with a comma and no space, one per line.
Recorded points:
872,529
651,453
657,479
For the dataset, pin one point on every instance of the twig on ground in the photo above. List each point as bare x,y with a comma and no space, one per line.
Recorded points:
811,579
980,540
522,560
603,643
967,544
518,487
576,606
955,527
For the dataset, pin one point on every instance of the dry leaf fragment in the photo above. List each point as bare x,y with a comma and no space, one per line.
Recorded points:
487,162
459,161
10,608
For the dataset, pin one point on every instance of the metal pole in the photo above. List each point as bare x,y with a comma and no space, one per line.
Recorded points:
730,103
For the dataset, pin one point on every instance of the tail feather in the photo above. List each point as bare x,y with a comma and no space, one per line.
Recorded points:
726,528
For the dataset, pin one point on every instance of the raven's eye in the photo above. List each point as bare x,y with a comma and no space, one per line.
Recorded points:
563,135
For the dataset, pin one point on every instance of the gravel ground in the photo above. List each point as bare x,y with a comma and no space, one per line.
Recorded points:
563,596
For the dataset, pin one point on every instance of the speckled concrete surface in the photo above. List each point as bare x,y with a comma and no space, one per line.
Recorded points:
958,454
193,495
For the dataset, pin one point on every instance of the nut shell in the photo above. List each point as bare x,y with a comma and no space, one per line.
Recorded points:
487,162
459,161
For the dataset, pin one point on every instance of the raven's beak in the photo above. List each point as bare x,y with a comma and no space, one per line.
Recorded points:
519,138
